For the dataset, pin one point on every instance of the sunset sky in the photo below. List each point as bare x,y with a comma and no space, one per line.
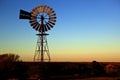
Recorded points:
85,30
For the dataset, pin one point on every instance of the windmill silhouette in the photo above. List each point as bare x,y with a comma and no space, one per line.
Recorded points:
42,18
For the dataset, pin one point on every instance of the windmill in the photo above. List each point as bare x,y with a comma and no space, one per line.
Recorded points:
42,18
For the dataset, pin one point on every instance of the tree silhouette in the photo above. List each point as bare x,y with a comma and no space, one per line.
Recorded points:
97,69
8,67
9,57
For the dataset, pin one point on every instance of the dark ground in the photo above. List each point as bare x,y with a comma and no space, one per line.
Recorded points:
60,70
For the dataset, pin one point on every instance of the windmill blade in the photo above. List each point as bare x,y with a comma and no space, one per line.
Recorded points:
42,28
24,15
52,12
33,24
52,17
45,28
34,12
32,21
43,8
39,28
33,17
36,26
47,9
38,8
50,25
53,20
47,25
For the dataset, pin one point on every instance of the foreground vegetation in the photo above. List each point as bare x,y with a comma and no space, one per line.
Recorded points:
13,68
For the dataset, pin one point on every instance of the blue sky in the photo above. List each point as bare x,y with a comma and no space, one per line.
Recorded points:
85,30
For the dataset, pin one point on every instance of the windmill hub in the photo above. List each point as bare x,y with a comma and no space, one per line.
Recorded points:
42,17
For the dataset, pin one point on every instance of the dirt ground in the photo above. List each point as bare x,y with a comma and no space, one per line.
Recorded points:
100,78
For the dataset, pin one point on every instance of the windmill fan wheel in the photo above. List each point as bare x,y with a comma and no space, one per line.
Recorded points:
43,18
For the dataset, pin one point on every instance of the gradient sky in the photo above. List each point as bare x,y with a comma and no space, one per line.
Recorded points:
85,30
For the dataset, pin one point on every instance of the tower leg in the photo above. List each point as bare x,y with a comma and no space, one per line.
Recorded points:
42,51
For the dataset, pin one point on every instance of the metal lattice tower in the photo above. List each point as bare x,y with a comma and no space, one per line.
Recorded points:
42,51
